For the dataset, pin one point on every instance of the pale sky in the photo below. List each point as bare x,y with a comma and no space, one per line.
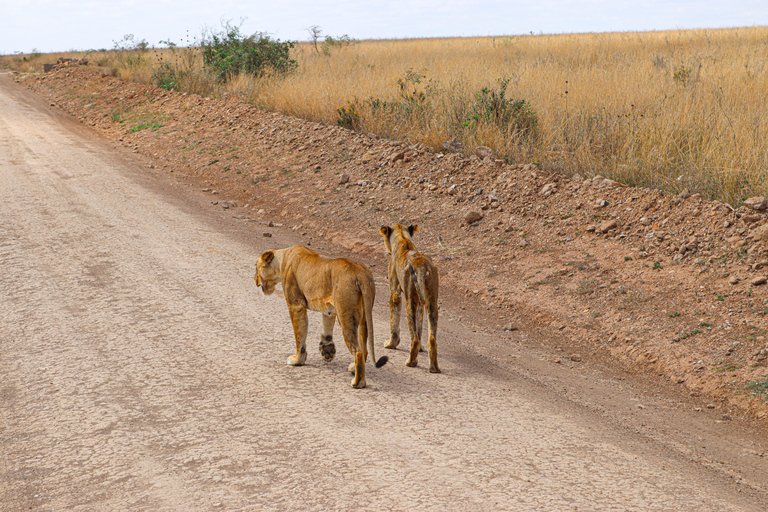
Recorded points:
50,25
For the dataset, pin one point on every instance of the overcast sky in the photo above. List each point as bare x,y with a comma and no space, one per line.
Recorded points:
51,25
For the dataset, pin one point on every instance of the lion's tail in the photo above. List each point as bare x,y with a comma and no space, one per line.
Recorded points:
368,299
420,281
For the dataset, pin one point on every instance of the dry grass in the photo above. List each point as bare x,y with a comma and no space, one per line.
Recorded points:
668,110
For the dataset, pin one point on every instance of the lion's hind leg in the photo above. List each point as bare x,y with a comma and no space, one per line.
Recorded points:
349,327
412,307
419,323
327,348
432,343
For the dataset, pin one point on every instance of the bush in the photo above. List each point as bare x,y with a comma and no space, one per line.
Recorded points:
337,42
491,107
229,54
166,76
349,116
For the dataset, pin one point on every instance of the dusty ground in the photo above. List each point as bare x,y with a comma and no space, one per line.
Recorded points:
140,364
142,370
668,288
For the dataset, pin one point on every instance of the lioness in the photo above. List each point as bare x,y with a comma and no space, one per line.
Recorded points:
413,274
337,288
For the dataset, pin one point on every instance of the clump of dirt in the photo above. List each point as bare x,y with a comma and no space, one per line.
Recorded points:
667,287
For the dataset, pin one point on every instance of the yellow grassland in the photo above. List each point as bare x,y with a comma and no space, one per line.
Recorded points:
668,110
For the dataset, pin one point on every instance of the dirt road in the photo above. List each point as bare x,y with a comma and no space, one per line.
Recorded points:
141,369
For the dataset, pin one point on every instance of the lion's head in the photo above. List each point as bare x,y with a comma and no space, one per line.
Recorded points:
397,234
267,274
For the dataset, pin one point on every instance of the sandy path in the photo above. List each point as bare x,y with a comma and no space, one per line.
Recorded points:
140,369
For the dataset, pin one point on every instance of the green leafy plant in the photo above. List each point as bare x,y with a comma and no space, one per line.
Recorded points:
166,76
229,53
493,107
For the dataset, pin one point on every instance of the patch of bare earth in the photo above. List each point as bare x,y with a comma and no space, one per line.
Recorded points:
669,288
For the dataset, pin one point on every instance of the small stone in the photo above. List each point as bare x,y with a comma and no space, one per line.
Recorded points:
601,203
343,179
576,358
611,183
607,226
510,328
645,221
710,406
547,189
758,203
267,235
473,217
484,152
733,280
453,146
759,280
760,233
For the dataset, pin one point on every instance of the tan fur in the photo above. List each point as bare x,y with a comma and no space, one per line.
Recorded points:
338,288
412,274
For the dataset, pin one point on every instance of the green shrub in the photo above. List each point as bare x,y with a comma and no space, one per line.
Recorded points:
681,74
493,107
166,76
349,116
229,53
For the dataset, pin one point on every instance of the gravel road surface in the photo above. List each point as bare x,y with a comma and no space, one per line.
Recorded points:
142,370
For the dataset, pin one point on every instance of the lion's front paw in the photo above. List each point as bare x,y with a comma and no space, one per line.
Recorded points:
358,384
351,368
328,351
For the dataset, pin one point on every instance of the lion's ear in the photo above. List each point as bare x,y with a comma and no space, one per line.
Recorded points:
267,257
412,229
386,231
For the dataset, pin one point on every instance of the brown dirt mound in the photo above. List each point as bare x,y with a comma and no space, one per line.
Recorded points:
666,287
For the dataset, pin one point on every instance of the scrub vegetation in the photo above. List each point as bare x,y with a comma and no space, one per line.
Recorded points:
669,110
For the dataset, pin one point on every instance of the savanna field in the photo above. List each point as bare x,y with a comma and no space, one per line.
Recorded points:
669,110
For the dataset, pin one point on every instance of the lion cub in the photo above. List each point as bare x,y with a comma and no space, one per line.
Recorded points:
414,275
338,288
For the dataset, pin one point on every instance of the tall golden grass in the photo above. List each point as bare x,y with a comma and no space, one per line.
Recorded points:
668,110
